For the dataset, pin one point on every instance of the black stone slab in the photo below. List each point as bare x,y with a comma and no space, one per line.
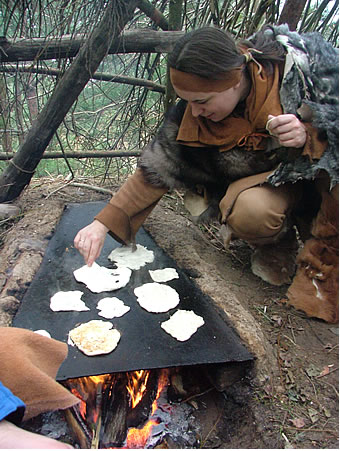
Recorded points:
143,344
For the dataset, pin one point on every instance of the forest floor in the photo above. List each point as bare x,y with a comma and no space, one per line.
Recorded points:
290,399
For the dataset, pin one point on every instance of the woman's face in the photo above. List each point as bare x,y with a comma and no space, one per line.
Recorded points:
215,106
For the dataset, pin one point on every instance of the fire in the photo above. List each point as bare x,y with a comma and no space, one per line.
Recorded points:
89,390
137,438
137,385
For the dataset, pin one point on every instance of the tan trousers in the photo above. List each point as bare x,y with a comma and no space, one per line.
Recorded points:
256,211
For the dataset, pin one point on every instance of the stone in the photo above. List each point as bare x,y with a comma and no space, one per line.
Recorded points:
8,211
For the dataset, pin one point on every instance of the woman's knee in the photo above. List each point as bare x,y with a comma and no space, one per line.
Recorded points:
257,213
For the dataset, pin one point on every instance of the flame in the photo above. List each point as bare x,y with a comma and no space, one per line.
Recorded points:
137,385
82,404
99,379
137,438
85,389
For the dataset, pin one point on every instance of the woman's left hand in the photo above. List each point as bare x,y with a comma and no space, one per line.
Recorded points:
287,129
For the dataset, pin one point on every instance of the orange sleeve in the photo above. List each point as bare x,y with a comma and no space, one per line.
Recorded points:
129,208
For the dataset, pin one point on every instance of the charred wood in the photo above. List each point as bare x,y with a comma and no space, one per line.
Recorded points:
140,414
79,429
114,413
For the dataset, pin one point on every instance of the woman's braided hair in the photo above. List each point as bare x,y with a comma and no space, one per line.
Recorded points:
209,52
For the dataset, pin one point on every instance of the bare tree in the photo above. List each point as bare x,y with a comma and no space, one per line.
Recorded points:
291,13
21,168
122,104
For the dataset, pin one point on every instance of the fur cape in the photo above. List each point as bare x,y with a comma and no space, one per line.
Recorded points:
310,84
310,81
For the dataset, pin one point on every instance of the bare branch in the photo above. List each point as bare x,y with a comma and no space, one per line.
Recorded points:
54,155
97,76
138,41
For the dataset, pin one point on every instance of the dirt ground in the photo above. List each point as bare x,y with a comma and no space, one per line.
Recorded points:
289,400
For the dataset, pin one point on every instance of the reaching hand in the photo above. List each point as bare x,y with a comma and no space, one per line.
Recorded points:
287,129
90,240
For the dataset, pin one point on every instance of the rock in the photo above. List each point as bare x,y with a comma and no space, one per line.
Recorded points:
8,211
9,304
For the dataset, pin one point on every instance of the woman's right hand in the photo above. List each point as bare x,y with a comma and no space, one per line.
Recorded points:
90,241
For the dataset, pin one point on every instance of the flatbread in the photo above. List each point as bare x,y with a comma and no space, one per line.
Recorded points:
156,297
95,337
65,301
133,259
98,278
112,308
163,275
182,324
43,332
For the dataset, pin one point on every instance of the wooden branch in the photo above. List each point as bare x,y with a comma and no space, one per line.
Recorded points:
22,166
55,155
155,15
291,13
92,187
137,41
152,86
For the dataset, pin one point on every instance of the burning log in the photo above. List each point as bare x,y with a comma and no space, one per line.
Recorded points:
140,413
114,413
115,408
78,427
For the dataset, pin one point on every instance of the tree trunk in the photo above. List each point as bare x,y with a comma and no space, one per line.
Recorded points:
155,15
138,41
31,95
175,23
291,13
4,117
21,168
19,116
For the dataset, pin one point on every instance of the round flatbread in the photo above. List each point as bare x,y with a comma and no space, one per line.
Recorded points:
95,337
156,297
133,259
163,275
98,278
112,308
182,324
43,332
65,301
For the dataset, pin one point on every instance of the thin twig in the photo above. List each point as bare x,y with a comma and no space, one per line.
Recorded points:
288,338
212,429
197,395
291,329
329,431
93,187
330,371
332,349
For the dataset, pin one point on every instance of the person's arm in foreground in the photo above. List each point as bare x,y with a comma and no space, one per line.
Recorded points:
14,437
121,217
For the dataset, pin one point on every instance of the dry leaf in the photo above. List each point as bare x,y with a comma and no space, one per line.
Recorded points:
313,415
312,371
325,371
327,412
278,319
298,422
